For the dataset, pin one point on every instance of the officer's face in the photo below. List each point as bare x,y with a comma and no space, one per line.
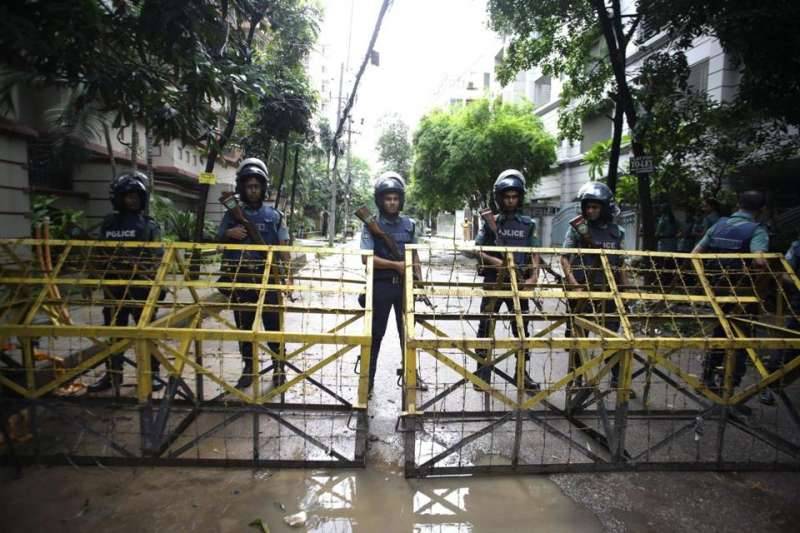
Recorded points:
592,210
132,202
391,203
509,201
252,190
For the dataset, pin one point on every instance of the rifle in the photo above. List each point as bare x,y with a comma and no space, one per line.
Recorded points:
233,204
365,215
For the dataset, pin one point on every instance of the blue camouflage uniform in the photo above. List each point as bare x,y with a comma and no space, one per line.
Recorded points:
739,233
387,288
587,269
248,267
513,230
121,227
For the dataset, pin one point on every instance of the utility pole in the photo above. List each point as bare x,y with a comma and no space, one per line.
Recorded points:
332,175
349,178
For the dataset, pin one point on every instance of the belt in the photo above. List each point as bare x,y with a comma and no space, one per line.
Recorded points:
394,280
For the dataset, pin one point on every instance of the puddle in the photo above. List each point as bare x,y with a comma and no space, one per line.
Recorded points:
371,500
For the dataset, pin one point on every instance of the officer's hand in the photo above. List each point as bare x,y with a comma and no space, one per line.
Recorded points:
400,267
236,233
530,282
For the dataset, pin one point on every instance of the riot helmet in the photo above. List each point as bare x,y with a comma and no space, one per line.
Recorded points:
389,182
252,167
133,181
509,180
596,191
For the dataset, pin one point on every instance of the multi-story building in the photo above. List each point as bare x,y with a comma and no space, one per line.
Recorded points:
711,71
81,181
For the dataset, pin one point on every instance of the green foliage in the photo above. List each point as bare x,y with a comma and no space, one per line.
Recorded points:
394,148
64,223
598,157
458,153
177,224
761,36
173,64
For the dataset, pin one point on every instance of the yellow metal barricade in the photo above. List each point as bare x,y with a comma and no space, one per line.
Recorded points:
657,361
189,309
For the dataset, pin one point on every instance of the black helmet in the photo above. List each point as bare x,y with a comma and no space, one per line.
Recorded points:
509,180
595,191
389,182
133,181
250,167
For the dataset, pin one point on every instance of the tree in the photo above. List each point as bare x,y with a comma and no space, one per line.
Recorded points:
459,153
394,148
762,37
169,64
585,43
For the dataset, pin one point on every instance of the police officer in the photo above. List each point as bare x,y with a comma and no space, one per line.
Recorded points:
600,231
739,233
791,321
128,222
387,287
252,182
513,229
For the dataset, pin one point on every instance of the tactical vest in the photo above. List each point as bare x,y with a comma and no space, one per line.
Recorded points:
731,238
589,266
402,231
512,231
130,227
267,221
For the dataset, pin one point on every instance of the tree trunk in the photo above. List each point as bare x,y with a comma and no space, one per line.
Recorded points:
217,147
283,173
111,159
134,147
616,146
294,190
616,52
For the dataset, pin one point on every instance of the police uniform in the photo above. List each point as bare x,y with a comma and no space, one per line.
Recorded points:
791,320
387,288
588,270
127,226
248,267
739,233
513,230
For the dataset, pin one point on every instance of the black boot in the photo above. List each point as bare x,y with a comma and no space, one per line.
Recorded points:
485,373
247,375
105,383
529,384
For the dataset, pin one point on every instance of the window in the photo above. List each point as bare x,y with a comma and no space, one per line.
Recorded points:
541,91
487,79
187,156
194,160
596,128
698,77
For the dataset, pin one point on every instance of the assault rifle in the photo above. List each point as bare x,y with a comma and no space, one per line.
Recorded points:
233,204
365,215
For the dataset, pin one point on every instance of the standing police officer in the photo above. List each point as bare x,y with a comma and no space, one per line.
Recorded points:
129,198
387,288
790,322
513,229
598,209
739,233
248,266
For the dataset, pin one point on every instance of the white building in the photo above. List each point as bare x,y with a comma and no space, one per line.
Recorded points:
84,184
711,71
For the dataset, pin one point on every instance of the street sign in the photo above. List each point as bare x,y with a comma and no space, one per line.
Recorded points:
207,178
641,165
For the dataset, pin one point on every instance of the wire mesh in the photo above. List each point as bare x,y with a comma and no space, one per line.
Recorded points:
647,360
205,353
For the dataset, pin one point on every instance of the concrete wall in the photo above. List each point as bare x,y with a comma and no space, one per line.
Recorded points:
15,206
